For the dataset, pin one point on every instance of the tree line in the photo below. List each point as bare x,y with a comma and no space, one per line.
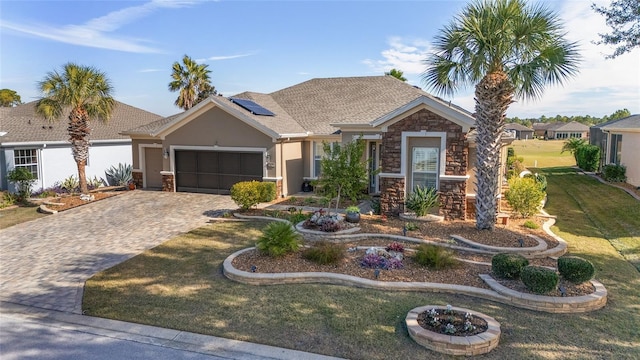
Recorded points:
583,119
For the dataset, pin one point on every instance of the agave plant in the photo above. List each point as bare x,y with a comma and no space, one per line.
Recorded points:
422,199
119,176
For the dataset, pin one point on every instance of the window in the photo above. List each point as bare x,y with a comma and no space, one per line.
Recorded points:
424,167
27,158
616,149
318,154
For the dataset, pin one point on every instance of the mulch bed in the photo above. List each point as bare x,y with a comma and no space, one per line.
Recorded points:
72,201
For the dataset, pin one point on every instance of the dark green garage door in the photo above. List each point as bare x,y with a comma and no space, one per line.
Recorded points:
215,171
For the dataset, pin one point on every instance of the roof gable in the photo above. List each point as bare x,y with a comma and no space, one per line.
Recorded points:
630,123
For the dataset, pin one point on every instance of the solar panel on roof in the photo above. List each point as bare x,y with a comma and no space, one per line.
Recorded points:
252,107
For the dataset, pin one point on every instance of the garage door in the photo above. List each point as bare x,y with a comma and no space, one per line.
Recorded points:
215,171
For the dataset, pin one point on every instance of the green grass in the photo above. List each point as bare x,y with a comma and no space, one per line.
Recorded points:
542,153
17,215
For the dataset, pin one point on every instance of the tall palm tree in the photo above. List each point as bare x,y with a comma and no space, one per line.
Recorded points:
193,82
86,93
507,50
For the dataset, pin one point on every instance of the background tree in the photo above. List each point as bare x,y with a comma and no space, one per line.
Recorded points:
9,98
396,74
87,93
623,17
192,81
507,49
572,145
344,173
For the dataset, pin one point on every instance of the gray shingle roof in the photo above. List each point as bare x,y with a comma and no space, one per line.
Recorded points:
629,123
516,126
22,124
312,106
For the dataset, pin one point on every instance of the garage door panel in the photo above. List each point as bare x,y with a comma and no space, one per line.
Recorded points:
215,172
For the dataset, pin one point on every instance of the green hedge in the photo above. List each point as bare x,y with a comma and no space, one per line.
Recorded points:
248,194
508,266
614,173
575,269
588,157
539,279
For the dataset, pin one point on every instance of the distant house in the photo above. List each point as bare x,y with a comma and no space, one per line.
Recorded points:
540,129
521,132
619,141
27,140
411,138
561,130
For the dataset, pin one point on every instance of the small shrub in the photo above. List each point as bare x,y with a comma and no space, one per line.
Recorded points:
421,200
524,196
8,199
540,179
614,173
375,206
70,185
435,257
588,157
278,239
575,269
246,194
94,183
324,252
530,224
297,217
267,191
516,168
411,226
119,176
508,266
394,263
310,201
353,209
395,246
324,201
23,179
539,279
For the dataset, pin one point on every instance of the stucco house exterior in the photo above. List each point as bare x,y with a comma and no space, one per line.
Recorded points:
619,141
561,130
412,138
27,140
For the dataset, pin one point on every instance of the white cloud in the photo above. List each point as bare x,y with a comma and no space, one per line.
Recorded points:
94,33
601,87
224,57
151,70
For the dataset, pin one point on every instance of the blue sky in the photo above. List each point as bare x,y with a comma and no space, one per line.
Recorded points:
265,46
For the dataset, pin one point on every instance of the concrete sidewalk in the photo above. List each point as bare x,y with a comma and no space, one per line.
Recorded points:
32,333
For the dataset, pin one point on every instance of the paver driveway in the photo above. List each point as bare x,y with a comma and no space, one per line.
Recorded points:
44,263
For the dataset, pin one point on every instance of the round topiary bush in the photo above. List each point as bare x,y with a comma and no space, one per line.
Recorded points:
508,266
575,269
539,279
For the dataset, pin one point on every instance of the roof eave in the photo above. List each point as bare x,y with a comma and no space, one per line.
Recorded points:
466,121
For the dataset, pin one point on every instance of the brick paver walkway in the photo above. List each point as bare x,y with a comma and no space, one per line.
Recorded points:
44,263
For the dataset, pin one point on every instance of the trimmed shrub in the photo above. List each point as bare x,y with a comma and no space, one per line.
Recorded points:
248,194
530,224
23,179
539,279
575,269
524,196
614,173
422,199
588,157
278,238
324,252
508,266
435,257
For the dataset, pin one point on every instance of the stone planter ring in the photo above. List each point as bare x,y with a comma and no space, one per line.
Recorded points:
478,344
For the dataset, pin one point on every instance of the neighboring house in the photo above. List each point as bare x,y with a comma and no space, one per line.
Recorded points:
540,129
563,131
27,140
412,138
521,132
619,141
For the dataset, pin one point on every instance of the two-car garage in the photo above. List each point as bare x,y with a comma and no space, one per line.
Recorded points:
216,171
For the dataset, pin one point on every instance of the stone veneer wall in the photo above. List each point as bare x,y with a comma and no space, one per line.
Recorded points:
167,182
452,193
137,178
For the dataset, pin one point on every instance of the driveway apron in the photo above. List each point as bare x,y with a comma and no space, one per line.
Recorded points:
44,263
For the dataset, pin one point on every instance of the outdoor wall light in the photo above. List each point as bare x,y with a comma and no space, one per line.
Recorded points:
165,153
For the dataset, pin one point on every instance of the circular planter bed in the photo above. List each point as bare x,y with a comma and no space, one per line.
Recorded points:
429,326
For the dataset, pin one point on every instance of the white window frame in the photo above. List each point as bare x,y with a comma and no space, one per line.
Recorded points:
29,165
430,150
316,156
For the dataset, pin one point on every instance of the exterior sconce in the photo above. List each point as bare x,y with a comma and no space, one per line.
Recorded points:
165,153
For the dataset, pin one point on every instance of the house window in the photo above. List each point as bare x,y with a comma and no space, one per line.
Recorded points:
318,154
424,167
27,158
616,149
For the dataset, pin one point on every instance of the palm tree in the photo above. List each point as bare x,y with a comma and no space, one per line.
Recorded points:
193,82
506,49
572,145
398,74
86,93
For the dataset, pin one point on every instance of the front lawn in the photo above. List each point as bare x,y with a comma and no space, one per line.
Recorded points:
19,214
180,285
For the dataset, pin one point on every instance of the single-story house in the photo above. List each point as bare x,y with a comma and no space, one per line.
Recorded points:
27,140
412,138
563,131
521,132
619,141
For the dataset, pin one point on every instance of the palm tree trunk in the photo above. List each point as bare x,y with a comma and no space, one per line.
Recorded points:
494,94
78,132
